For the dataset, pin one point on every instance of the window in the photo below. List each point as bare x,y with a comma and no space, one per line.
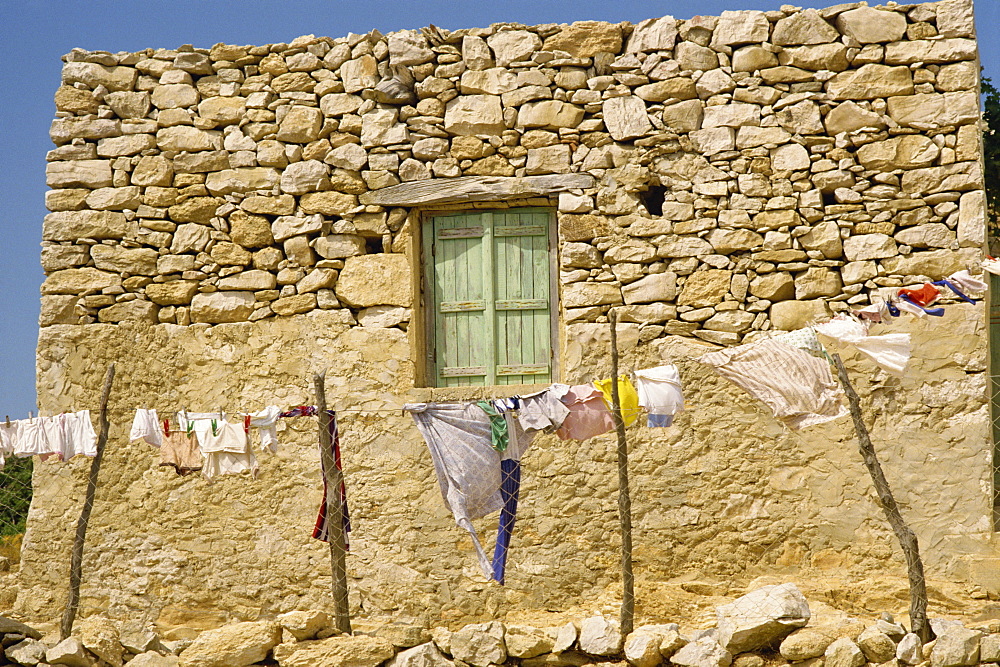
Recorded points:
489,281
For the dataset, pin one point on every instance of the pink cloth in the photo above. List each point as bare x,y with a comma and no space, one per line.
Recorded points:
588,414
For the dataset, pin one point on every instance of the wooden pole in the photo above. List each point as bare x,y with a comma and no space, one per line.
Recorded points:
333,478
624,500
76,560
907,540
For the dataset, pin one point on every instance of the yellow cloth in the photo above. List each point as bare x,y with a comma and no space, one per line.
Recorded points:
626,394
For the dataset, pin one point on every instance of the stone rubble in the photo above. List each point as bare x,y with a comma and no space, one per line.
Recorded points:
825,149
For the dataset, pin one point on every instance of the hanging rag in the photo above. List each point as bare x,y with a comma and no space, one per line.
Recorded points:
991,265
224,445
80,435
797,386
146,426
179,450
660,394
31,439
923,296
543,410
588,413
954,288
510,489
499,435
876,312
321,531
804,339
967,282
890,352
266,423
627,395
908,305
8,438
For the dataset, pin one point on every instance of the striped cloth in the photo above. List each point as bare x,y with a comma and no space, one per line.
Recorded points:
797,386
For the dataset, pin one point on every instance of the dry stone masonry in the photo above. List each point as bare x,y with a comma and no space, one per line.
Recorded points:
713,176
226,222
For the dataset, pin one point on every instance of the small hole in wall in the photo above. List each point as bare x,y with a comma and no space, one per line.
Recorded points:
652,199
829,199
374,245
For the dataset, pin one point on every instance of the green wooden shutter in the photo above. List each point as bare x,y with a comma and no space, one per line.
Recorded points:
521,280
489,288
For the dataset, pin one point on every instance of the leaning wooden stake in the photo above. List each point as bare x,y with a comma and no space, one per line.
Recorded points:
907,540
333,478
624,500
76,561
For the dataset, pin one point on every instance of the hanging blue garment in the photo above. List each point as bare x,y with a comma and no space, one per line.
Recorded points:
510,487
936,312
947,283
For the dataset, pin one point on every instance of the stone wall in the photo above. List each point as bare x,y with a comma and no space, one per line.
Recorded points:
227,221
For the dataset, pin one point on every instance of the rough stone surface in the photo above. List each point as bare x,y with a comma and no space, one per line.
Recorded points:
600,636
346,651
373,280
761,617
480,644
235,645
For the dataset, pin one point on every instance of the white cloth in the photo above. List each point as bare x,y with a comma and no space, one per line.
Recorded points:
659,390
226,448
967,282
266,422
8,437
797,386
467,467
543,411
992,265
890,352
31,439
146,426
911,308
82,438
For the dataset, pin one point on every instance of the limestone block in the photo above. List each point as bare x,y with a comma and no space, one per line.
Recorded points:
816,282
195,209
600,636
524,641
328,203
154,659
78,281
100,637
253,280
650,227
804,27
129,311
909,151
909,650
359,73
343,651
730,321
959,176
791,315
294,305
222,110
972,219
339,246
848,117
705,652
633,250
57,257
843,653
642,649
693,56
832,57
741,27
712,140
153,170
493,81
307,176
955,19
773,286
931,235
548,160
762,616
684,246
186,138
250,231
129,144
26,652
790,157
128,104
551,114
287,226
989,648
565,638
513,45
656,34
735,114
656,287
383,316
580,255
870,82
424,655
625,117
374,280
409,47
753,58
705,288
69,651
136,261
114,199
173,293
201,162
684,116
858,272
236,645
570,203
935,264
957,646
877,646
64,130
348,156
167,264
671,642
726,241
70,199
280,205
300,125
316,280
480,644
930,110
474,114
230,254
585,39
678,88
872,26
577,295
869,246
930,51
68,98
190,238
338,104
78,173
94,75
476,53
174,96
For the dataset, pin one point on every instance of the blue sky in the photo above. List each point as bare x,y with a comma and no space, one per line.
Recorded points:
35,34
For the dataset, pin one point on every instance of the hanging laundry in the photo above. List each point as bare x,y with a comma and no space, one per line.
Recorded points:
31,439
321,531
890,352
146,426
266,423
8,437
991,265
499,435
660,394
179,450
225,446
543,410
954,288
627,396
906,304
967,282
923,297
876,312
804,339
80,435
797,386
588,413
56,440
510,489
